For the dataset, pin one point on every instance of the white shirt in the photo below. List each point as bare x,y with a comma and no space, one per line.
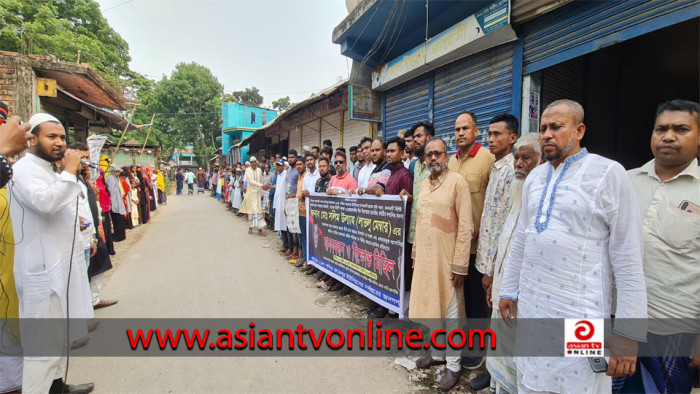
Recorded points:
563,259
310,180
85,212
671,245
278,201
365,173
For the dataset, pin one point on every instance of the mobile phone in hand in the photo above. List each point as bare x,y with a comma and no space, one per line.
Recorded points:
598,364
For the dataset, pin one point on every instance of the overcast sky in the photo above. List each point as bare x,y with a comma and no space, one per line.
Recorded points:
282,47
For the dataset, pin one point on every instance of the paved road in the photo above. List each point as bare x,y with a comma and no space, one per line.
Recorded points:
195,259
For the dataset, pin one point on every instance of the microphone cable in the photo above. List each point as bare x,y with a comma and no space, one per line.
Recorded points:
70,270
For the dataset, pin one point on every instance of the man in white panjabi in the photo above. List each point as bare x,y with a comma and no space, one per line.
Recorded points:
252,204
527,155
579,228
45,219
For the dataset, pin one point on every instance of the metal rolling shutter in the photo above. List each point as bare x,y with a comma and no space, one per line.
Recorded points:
295,139
405,105
481,83
563,81
586,26
353,132
330,129
310,136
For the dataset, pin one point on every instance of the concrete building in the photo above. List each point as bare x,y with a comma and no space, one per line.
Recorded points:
239,122
324,116
620,59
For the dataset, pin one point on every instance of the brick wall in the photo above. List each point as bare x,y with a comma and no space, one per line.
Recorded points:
8,83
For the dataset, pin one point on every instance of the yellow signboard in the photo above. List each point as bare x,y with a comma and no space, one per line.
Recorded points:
46,87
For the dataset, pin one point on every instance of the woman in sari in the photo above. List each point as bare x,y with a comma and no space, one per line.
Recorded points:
134,195
148,198
126,196
160,184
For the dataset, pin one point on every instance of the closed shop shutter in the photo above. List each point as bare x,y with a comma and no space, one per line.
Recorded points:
330,129
353,132
295,139
563,81
310,136
586,26
481,83
406,105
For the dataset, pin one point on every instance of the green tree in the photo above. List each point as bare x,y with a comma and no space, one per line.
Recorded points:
282,104
188,107
249,96
62,28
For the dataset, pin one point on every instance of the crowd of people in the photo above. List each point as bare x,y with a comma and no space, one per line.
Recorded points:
536,221
60,221
531,227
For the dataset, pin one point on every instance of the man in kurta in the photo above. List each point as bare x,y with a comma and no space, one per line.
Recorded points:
441,252
43,211
579,229
278,205
668,191
252,205
527,155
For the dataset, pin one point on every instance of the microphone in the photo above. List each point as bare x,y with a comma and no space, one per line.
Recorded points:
87,163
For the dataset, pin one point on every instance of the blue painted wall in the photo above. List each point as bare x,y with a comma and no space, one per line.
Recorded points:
239,115
240,121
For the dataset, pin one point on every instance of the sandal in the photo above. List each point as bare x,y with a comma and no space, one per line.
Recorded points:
336,287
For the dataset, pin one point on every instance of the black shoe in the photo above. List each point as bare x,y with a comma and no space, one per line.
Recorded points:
472,362
346,290
480,381
58,387
311,270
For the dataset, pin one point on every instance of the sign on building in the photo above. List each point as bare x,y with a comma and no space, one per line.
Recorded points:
364,104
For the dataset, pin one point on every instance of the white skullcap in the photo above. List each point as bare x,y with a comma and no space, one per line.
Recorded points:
40,118
252,159
247,163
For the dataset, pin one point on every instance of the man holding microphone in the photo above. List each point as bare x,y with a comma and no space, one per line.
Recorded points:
49,260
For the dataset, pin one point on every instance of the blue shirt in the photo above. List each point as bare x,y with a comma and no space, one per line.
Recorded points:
292,180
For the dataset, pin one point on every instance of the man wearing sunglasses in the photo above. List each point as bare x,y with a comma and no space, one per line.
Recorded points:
342,181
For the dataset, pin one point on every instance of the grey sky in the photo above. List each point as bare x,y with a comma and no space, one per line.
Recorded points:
282,47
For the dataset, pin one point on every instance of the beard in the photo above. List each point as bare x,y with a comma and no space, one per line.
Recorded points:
47,155
436,169
559,153
418,152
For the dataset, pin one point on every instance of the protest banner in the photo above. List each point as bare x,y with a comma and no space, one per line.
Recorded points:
360,242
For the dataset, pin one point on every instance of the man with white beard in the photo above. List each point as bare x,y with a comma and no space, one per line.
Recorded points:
527,156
